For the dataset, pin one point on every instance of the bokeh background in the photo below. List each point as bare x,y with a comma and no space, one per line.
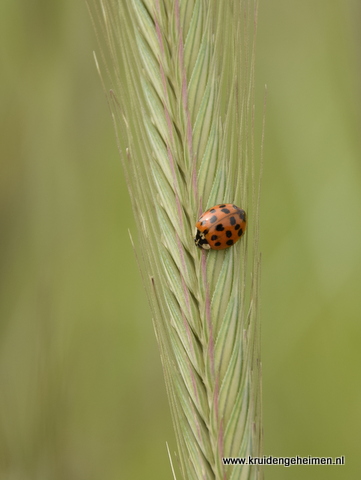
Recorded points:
81,387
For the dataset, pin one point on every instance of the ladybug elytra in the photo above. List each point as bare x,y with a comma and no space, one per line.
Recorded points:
220,227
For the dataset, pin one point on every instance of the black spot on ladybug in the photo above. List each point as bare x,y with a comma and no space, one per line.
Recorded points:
229,242
212,210
235,206
217,244
237,226
228,234
220,228
225,210
232,220
242,215
205,231
213,219
221,206
214,237
203,223
240,231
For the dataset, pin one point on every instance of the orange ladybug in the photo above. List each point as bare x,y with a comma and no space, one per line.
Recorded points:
220,227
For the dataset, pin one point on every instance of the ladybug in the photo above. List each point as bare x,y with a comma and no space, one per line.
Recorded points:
220,227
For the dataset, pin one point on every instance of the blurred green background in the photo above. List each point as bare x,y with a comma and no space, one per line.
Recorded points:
81,387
